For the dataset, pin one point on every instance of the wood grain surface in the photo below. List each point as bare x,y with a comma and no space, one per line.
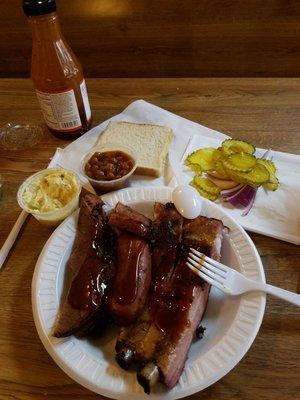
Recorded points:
263,111
157,38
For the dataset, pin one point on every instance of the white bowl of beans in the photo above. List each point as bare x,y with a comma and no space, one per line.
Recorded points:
108,166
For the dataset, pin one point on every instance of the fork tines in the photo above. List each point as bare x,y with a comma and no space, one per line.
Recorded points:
207,268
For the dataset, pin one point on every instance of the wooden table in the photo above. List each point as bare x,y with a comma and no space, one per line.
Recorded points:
263,111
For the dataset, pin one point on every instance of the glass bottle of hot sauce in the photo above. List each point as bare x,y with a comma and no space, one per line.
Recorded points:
56,73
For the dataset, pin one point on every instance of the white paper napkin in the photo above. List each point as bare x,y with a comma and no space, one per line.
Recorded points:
275,214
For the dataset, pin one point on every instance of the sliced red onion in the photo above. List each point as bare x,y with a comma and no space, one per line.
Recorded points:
233,199
246,196
243,197
229,192
250,205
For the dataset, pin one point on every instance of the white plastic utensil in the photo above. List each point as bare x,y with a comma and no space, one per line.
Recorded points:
230,281
187,201
11,238
185,198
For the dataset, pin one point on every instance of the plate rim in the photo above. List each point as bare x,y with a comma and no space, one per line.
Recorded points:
75,375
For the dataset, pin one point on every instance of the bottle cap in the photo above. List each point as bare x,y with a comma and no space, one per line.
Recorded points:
38,7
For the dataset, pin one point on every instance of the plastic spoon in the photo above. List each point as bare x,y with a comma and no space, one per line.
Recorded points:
187,201
185,198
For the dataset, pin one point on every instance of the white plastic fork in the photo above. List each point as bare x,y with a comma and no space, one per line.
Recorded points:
230,281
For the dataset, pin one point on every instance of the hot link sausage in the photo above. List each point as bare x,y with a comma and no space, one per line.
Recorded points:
132,281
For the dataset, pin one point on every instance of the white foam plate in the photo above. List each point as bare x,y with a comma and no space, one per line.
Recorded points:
232,322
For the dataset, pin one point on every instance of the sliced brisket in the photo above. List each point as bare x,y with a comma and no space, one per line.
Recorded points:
93,269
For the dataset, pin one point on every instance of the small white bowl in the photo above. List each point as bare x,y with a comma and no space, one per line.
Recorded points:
101,186
55,217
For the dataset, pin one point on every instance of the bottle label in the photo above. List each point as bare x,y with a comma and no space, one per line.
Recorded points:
60,110
85,98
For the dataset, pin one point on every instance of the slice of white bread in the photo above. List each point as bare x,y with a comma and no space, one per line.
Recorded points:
150,142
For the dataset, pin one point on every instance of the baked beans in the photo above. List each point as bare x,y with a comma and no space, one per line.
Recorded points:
109,165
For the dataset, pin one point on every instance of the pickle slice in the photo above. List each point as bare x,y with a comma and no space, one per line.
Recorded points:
240,162
217,155
256,177
204,193
268,164
195,168
272,185
231,146
220,171
203,158
207,185
273,181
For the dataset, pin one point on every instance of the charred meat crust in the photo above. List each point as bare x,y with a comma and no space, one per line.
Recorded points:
127,219
148,376
166,236
125,355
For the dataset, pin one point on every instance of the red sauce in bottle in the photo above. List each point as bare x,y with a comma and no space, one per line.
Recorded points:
56,73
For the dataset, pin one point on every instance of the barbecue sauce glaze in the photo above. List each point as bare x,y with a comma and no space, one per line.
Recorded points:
171,301
127,281
89,285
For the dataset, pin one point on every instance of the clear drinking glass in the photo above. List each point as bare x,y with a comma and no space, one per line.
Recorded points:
19,135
